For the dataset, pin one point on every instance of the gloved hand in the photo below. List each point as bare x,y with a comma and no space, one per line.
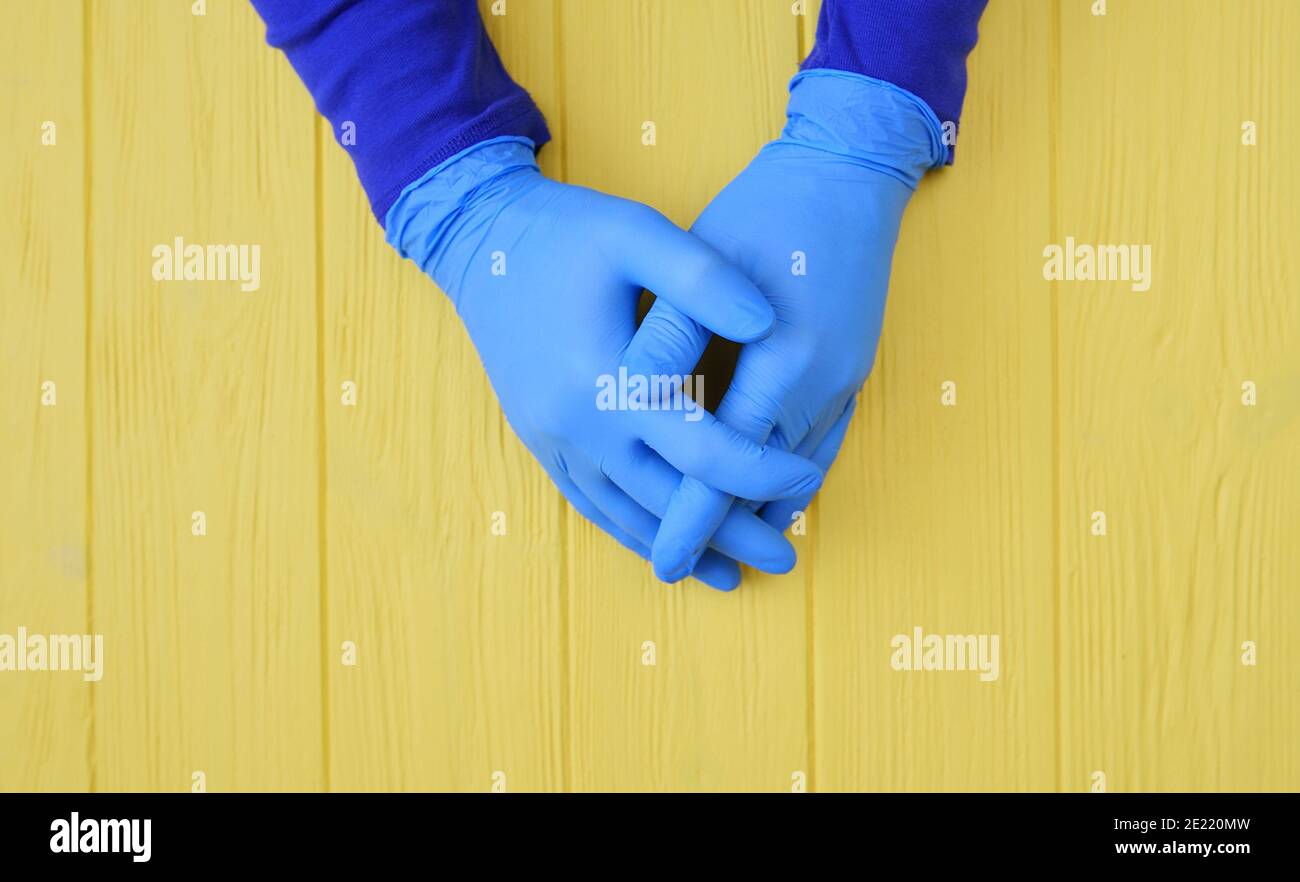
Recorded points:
546,278
812,221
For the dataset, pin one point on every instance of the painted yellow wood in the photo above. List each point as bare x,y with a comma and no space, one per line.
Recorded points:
203,398
936,515
808,12
444,553
1200,489
391,595
44,732
723,706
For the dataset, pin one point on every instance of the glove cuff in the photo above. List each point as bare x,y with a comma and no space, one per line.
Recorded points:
869,121
427,208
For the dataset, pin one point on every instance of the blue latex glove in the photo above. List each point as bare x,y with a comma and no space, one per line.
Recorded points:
812,221
546,278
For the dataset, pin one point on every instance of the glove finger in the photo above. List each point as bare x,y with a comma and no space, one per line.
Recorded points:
686,272
717,454
696,510
668,342
743,536
717,571
624,511
780,514
804,445
591,512
714,570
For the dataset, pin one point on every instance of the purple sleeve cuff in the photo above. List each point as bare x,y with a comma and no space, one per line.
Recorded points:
918,45
404,84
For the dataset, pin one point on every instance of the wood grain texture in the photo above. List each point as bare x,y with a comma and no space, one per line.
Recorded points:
45,716
937,516
1201,493
459,632
203,398
516,659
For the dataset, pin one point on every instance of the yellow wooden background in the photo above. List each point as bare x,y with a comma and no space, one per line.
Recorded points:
522,654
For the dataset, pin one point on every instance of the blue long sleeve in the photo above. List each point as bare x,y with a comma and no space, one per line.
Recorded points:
417,81
919,45
406,85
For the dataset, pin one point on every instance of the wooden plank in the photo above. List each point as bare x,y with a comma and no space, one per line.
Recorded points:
44,727
458,632
203,398
724,705
1201,493
521,653
940,517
